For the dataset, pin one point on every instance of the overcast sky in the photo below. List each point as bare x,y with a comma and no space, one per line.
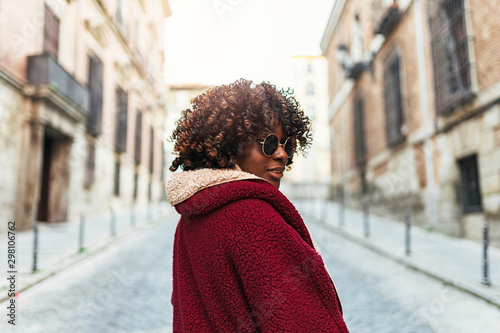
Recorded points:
219,41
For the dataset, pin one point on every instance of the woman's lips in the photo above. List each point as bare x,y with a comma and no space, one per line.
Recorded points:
277,172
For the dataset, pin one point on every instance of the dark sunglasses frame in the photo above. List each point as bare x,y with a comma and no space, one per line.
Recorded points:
292,150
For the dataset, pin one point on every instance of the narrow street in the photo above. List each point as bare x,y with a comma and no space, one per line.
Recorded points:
127,288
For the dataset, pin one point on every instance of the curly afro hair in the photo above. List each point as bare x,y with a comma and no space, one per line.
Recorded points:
222,120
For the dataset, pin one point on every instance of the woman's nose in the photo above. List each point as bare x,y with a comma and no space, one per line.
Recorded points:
280,153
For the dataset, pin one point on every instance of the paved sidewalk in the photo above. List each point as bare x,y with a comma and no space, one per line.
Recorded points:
455,261
59,243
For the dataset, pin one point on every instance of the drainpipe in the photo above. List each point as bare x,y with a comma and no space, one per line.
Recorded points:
424,103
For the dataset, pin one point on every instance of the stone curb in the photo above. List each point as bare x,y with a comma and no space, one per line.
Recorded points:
90,250
407,261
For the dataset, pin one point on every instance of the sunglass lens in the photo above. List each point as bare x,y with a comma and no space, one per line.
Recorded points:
270,144
290,146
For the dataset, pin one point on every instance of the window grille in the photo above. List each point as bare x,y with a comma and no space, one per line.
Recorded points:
393,102
450,54
471,194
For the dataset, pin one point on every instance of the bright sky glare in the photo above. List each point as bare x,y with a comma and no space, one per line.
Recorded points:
220,41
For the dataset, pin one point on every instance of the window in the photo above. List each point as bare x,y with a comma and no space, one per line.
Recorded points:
471,194
309,68
450,53
51,33
94,121
310,89
116,183
89,166
121,120
138,137
393,101
151,149
359,131
311,111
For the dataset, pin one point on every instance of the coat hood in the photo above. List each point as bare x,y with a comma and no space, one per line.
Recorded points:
184,185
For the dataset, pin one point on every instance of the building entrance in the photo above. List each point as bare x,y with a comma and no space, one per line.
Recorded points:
54,177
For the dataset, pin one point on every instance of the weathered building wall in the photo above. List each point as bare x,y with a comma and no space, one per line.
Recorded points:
424,171
54,174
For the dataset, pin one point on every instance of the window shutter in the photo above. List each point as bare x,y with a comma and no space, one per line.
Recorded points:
359,131
138,137
151,149
393,102
51,33
89,165
94,124
121,122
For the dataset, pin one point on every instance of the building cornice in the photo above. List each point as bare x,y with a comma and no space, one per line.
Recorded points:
10,80
331,26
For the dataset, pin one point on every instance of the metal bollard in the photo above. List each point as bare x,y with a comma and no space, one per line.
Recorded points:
366,219
486,280
113,223
81,248
408,232
35,247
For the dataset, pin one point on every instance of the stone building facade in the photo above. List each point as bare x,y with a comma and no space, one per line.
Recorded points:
82,107
414,111
310,85
179,99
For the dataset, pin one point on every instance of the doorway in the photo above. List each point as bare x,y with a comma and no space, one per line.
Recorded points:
54,177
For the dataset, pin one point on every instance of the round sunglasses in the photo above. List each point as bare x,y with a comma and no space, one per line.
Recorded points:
272,142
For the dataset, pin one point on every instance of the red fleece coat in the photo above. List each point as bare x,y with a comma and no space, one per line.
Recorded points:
244,262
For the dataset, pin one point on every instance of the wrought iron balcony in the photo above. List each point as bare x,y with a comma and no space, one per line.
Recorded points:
357,69
388,21
46,71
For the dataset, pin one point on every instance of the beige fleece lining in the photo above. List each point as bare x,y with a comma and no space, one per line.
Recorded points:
183,185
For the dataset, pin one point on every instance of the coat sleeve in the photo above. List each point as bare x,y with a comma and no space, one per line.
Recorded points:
284,279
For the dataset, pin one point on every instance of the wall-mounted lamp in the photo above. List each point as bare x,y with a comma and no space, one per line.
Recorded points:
353,69
343,56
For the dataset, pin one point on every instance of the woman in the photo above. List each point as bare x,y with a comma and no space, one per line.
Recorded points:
243,258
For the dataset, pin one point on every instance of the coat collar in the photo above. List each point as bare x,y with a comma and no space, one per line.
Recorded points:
183,185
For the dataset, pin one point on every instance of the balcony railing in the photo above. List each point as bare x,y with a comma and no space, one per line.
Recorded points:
357,69
45,70
389,20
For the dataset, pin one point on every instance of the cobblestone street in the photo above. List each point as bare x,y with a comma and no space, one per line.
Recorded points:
380,295
127,288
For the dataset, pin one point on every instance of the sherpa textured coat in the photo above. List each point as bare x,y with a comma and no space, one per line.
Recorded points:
244,260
